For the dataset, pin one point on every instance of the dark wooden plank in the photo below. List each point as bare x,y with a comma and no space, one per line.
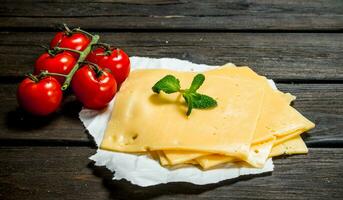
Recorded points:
64,125
66,173
316,102
321,103
176,14
281,56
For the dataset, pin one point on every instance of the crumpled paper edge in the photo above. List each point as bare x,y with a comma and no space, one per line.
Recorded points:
129,166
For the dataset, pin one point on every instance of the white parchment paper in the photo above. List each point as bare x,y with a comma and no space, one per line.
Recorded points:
141,169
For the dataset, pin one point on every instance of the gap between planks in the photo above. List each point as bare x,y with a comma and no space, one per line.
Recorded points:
334,142
17,79
56,28
52,173
329,143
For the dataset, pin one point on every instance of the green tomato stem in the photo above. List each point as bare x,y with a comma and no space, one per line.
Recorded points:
67,49
84,32
32,77
105,45
82,57
67,31
107,48
46,73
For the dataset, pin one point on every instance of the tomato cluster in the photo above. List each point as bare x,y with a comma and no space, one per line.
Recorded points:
94,70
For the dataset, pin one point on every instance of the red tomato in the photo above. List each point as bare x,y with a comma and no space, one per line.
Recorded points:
94,90
40,98
117,61
76,41
61,63
93,57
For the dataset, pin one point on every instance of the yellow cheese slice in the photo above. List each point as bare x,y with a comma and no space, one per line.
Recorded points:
273,100
175,157
164,162
282,139
279,141
142,120
262,132
211,161
277,113
294,145
257,157
162,157
196,154
217,160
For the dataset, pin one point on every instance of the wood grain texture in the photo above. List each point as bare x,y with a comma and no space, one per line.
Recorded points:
281,56
321,103
60,127
297,41
56,172
172,15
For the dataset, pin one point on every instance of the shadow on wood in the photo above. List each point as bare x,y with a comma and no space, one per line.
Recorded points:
125,190
19,119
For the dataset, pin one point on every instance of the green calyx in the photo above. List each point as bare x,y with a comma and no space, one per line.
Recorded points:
107,49
95,67
194,100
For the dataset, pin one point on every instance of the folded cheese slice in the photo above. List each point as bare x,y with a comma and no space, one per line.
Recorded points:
260,135
292,141
175,157
291,146
257,156
294,145
277,118
142,120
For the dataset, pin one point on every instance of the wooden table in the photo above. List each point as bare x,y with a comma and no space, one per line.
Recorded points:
298,43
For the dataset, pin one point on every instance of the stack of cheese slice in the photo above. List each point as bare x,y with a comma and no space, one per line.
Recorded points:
252,122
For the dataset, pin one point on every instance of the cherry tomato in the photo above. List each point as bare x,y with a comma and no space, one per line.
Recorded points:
76,41
40,98
94,88
62,63
117,61
96,55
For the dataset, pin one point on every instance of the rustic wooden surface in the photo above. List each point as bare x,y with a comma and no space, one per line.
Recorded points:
176,14
300,56
66,173
298,43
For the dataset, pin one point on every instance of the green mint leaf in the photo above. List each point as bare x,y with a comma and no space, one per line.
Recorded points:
201,101
168,84
188,99
198,101
198,80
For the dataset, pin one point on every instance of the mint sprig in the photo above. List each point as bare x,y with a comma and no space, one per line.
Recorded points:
198,80
170,84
